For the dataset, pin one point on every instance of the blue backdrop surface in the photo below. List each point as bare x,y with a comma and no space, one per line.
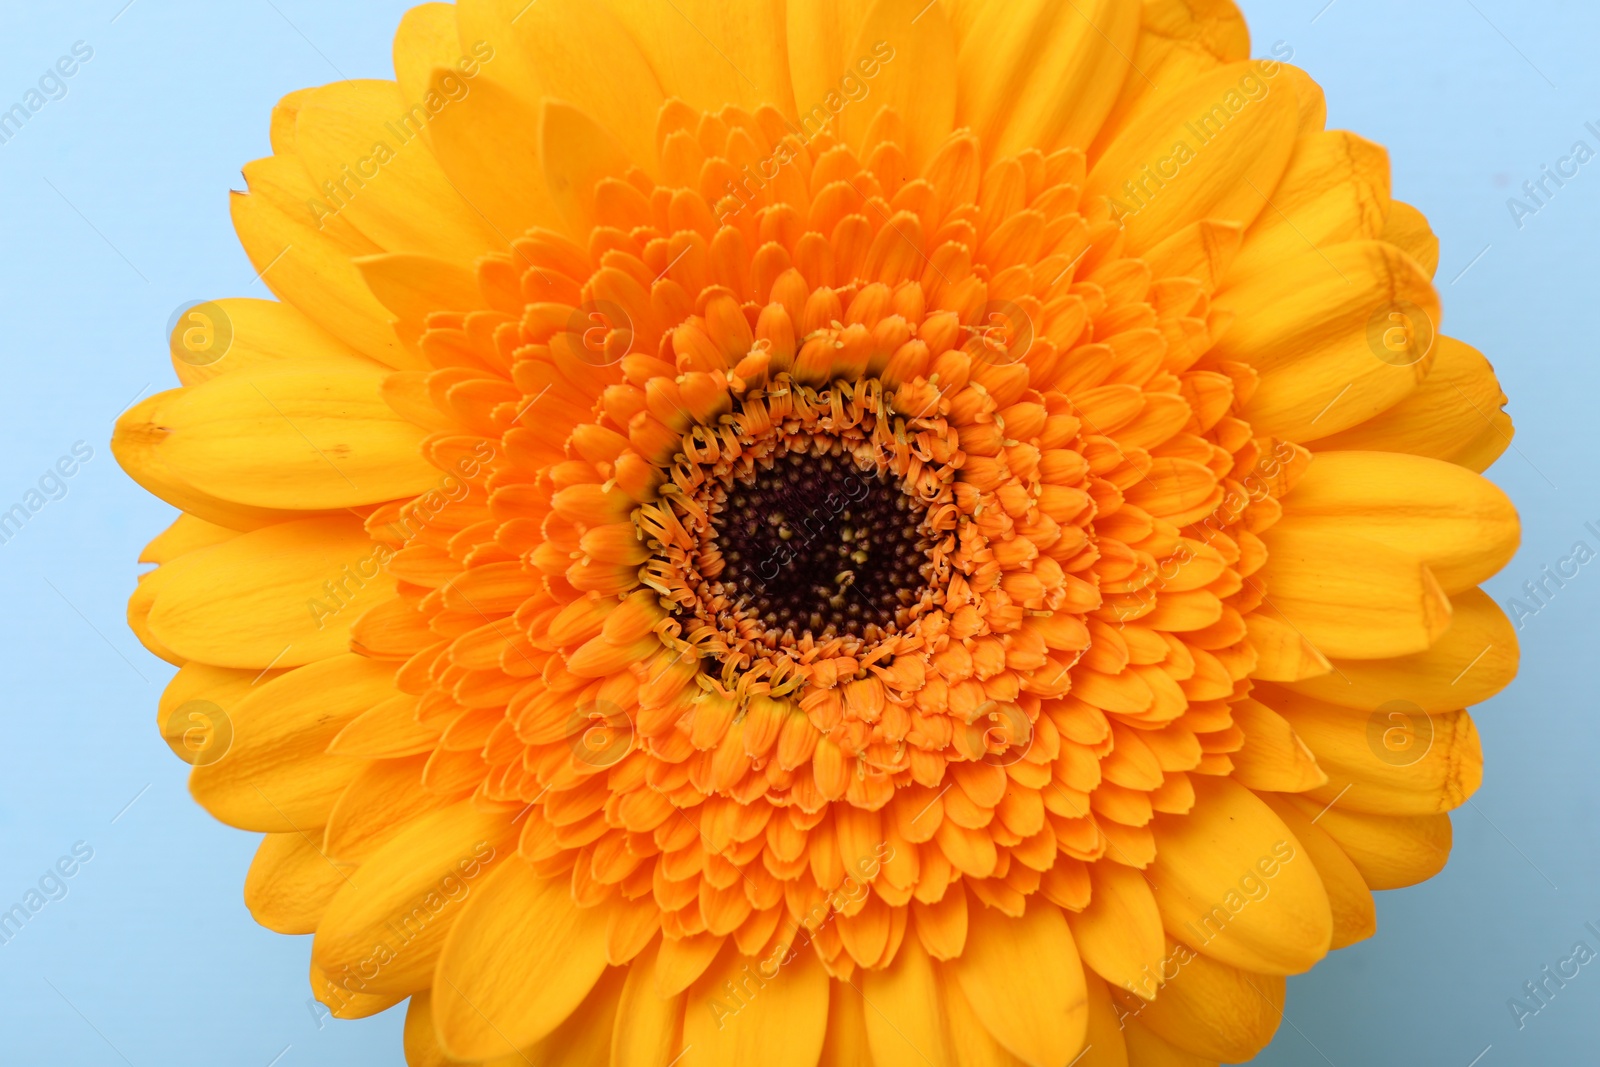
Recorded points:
113,213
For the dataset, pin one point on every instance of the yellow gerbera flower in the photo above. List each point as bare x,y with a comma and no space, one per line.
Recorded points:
829,532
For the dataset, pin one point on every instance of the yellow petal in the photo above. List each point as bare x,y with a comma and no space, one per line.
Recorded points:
487,147
384,929
1103,1045
903,1024
427,38
378,804
846,1042
1489,445
390,730
421,1043
577,51
302,249
1282,652
1351,597
916,83
1472,661
139,605
185,535
1458,523
1391,852
1355,915
1408,228
1335,189
584,1039
291,882
263,599
412,286
1396,761
720,1031
1337,335
362,136
1273,756
136,443
1313,101
348,1003
971,1042
1232,882
280,132
1216,1011
276,776
1036,74
291,438
1202,250
1024,980
195,709
1119,934
222,336
649,1026
1453,408
821,36
683,960
515,923
577,154
1178,42
711,53
1148,1050
1204,149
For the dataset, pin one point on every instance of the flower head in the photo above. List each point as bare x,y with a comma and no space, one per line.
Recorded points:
837,532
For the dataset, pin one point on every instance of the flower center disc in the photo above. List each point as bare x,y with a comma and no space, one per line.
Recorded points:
811,545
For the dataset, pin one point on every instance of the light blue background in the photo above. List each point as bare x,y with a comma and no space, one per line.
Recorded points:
113,211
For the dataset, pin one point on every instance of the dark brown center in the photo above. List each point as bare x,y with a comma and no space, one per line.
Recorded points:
813,544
